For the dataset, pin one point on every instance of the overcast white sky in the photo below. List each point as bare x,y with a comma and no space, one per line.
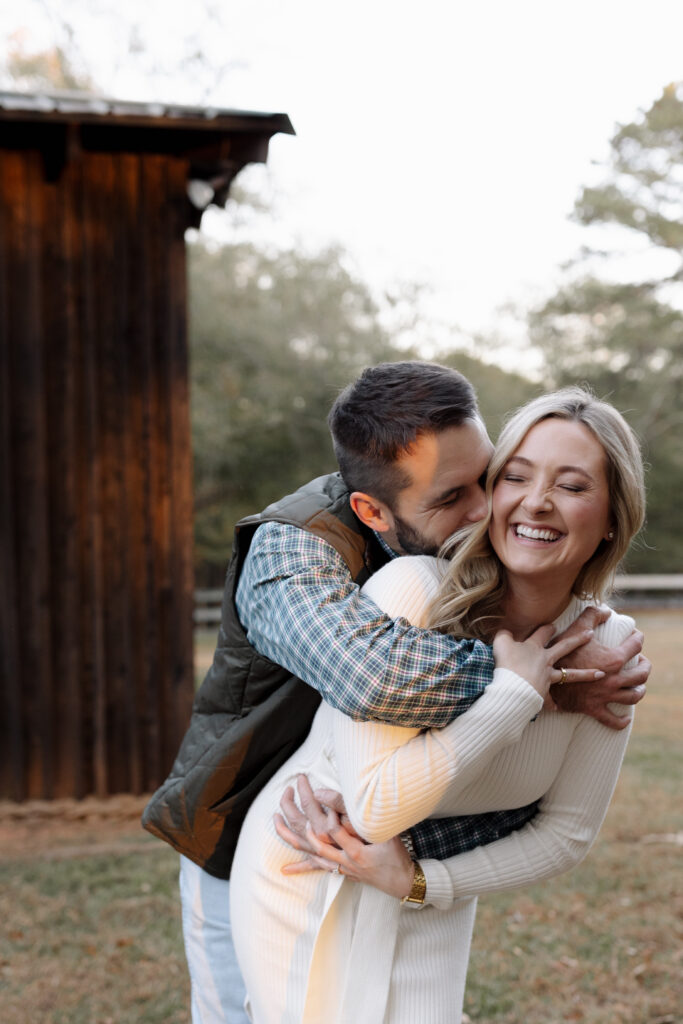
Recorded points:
442,142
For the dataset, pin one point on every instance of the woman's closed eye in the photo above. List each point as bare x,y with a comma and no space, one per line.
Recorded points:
574,485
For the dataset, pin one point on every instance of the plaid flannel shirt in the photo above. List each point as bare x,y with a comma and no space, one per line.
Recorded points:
300,608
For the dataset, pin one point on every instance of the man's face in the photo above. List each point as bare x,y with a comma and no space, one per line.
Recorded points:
446,472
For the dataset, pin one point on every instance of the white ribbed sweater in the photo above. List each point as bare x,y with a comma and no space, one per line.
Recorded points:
492,758
317,947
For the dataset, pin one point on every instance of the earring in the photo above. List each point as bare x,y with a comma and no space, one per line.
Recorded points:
610,535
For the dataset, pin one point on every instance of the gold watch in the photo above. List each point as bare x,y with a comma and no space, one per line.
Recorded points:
418,889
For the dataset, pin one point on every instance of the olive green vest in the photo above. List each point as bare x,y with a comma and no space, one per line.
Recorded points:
249,714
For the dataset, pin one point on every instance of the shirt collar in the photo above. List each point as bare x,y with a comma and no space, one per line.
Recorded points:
385,547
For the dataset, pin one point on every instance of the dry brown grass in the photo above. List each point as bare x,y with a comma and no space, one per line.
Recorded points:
91,924
92,928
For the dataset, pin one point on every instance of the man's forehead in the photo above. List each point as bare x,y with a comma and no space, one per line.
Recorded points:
460,447
454,458
473,425
456,441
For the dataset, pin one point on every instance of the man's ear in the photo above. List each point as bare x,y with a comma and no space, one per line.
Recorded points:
371,511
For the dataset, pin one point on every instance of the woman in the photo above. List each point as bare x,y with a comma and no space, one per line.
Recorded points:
566,497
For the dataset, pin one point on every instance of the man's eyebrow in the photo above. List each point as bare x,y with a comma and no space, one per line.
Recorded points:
560,469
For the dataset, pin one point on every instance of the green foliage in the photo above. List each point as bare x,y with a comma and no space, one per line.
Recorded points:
274,337
643,191
499,393
624,336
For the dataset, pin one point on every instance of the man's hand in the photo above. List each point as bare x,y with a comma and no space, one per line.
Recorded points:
323,811
333,846
619,685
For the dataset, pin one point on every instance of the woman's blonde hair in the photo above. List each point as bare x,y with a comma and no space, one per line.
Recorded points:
470,596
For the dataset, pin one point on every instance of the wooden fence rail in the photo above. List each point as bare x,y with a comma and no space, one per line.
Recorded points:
668,588
670,581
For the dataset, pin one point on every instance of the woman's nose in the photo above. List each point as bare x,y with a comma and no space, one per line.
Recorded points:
537,499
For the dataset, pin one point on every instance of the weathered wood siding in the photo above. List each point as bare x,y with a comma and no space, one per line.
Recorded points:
95,474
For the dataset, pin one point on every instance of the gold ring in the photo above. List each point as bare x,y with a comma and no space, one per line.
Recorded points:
563,676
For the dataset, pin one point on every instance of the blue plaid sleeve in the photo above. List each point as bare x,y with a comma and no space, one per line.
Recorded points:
300,608
440,838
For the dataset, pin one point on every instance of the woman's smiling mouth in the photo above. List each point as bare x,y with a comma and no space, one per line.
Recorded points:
536,533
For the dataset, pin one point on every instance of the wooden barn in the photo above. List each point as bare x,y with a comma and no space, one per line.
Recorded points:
96,586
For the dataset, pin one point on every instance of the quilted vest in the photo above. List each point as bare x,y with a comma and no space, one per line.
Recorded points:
249,714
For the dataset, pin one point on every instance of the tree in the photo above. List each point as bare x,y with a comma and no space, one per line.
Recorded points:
273,338
131,61
49,69
617,323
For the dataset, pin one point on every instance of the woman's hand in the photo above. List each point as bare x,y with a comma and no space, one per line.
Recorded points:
534,661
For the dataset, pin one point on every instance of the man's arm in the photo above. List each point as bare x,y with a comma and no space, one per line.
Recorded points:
300,608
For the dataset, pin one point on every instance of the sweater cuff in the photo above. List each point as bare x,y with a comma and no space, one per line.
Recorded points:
439,884
526,698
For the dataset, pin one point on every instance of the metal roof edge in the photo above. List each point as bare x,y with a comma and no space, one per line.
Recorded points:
69,106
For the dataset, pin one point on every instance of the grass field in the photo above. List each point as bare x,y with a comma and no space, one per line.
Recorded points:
91,931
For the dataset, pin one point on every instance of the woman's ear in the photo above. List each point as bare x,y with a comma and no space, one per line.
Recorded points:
371,511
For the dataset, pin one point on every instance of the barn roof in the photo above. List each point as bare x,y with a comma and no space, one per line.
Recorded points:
218,142
83,108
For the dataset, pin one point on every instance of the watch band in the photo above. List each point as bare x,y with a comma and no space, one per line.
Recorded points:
418,890
407,840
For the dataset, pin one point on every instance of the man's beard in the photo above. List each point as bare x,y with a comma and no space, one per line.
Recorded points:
411,540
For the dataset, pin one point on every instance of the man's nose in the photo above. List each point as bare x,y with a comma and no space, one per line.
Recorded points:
479,507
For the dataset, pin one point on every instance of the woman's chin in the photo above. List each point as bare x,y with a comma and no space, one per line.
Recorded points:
542,571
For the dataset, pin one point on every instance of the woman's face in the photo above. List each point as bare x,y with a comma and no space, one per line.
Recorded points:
551,503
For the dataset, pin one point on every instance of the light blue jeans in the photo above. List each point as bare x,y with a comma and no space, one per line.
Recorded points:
218,991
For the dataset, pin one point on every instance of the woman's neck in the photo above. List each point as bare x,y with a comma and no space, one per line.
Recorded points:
528,605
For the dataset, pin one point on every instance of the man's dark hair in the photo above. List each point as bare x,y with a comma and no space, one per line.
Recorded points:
378,417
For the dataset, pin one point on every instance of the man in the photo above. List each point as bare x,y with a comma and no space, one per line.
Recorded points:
412,452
